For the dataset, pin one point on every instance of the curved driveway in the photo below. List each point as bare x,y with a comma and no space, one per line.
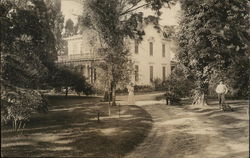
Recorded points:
181,132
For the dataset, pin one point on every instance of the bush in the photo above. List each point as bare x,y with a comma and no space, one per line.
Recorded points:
18,104
122,90
174,98
158,84
65,77
143,88
178,85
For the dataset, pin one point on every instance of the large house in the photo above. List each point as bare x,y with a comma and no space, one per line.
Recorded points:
151,56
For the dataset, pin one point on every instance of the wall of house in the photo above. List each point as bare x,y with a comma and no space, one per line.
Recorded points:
144,60
78,53
82,44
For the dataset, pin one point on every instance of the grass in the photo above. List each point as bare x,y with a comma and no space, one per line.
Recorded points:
71,129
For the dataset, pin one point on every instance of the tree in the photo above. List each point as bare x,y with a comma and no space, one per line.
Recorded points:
56,21
114,21
178,85
65,78
28,47
213,40
77,27
69,28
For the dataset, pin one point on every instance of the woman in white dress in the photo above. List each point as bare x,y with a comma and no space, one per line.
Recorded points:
131,97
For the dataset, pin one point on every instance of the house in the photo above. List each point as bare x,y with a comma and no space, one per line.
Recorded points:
151,56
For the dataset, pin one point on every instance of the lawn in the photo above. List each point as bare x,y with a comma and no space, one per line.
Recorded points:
71,129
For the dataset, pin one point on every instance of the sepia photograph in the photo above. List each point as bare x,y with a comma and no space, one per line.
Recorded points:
125,78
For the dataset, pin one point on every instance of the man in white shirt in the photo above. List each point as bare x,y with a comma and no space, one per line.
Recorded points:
221,90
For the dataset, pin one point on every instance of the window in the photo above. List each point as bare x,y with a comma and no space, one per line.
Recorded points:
151,48
136,47
163,73
163,50
151,73
136,73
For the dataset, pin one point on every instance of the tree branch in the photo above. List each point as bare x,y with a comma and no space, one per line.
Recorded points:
133,6
133,9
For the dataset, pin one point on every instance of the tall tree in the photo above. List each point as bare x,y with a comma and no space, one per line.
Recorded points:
115,20
213,39
28,47
69,28
56,21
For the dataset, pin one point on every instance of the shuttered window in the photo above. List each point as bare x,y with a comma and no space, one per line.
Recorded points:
136,73
163,50
136,47
151,71
163,73
151,48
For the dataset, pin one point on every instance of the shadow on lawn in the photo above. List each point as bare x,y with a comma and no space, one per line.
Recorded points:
72,130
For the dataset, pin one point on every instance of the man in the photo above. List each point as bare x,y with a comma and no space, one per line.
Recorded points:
221,90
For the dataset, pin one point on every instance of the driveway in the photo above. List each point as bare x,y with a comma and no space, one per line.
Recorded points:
194,132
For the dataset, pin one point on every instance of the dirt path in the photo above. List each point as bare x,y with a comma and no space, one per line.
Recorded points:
181,132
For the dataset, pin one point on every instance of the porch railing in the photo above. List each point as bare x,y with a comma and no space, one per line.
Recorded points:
77,57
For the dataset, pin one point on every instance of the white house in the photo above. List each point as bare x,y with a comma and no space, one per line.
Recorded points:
151,56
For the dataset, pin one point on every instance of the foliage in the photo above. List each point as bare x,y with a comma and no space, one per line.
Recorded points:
143,88
29,41
18,104
169,31
213,40
81,86
236,83
55,20
158,84
69,28
64,77
178,85
173,97
238,76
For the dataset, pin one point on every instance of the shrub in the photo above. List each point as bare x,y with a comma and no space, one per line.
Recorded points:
178,85
143,88
65,77
122,90
174,98
18,104
158,84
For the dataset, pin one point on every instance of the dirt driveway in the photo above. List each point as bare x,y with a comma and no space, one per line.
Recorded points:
188,132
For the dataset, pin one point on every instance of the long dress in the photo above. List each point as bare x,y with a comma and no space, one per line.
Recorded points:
131,96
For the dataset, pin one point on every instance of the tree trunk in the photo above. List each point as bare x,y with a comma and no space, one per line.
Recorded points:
113,94
66,92
109,111
200,99
200,94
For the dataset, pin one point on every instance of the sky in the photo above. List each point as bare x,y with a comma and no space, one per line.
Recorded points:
71,8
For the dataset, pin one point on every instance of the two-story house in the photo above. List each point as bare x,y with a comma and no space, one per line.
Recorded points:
151,56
